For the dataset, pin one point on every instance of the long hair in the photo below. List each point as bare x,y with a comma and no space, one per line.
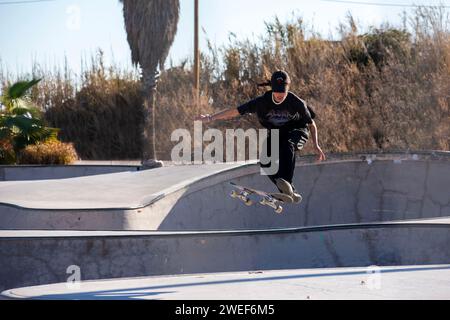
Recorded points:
266,83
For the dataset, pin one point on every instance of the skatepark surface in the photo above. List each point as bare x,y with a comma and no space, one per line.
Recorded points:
177,229
406,282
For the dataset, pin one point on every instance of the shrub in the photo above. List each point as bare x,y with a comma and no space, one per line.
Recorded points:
48,152
7,155
379,46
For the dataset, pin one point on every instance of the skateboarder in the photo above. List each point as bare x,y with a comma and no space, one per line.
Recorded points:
280,109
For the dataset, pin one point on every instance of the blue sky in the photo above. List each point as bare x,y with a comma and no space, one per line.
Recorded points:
47,31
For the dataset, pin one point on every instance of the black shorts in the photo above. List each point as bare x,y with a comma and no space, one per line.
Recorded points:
298,137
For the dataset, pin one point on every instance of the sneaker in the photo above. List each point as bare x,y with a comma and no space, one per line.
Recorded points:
284,186
296,196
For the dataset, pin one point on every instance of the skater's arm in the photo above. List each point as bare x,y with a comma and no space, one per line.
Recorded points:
249,107
313,129
222,115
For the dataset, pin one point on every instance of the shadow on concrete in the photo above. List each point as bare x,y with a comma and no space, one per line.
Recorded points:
136,293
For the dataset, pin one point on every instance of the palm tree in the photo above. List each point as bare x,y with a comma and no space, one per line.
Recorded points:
151,26
21,122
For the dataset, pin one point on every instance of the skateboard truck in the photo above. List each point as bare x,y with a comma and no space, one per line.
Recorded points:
271,202
242,196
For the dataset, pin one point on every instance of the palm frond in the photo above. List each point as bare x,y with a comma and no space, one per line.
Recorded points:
22,107
19,89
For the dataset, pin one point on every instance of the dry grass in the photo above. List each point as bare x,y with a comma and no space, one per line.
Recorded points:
387,89
50,152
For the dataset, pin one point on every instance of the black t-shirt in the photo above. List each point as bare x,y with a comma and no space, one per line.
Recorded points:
292,113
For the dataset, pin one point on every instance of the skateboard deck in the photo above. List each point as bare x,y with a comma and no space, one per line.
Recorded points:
273,200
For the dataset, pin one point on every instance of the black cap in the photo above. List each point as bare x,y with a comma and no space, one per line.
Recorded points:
280,81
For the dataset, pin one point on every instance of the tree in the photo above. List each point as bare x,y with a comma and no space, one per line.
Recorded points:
151,26
21,121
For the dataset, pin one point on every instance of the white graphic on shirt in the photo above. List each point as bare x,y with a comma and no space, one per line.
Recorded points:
281,117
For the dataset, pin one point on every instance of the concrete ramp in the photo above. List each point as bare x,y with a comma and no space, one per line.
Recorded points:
41,257
353,188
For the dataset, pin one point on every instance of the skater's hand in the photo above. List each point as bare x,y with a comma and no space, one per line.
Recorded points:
204,118
320,153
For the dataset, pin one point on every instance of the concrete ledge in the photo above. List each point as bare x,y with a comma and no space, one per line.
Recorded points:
30,173
33,260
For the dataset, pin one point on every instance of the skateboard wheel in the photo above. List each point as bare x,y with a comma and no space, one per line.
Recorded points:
233,194
248,202
279,209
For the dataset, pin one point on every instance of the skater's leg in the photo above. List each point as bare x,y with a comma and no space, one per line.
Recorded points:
288,162
297,140
281,158
291,142
283,178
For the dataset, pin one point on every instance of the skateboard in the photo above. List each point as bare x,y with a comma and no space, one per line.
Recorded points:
273,200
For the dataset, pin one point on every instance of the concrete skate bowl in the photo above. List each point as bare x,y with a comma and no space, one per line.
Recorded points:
348,188
42,257
345,220
355,190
